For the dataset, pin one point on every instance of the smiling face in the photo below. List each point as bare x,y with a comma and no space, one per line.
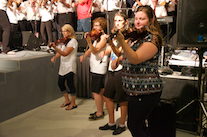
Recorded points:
141,20
119,22
97,26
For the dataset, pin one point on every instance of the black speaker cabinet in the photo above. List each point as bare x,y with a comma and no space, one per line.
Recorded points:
162,120
82,43
192,23
183,91
15,40
29,40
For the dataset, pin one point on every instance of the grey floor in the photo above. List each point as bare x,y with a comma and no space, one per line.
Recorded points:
50,120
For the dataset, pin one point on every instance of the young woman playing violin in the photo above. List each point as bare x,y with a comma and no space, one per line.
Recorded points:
67,55
140,78
113,88
98,65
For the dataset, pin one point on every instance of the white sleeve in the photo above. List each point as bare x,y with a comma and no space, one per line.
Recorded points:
145,2
72,43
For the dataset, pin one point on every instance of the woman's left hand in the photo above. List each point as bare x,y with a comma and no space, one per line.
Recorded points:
52,44
119,37
88,39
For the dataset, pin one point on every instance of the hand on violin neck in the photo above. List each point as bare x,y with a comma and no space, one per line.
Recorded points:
52,44
119,37
88,39
86,34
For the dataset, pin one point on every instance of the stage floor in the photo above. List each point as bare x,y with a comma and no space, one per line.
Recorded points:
49,120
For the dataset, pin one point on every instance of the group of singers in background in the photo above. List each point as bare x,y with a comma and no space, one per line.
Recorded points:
46,17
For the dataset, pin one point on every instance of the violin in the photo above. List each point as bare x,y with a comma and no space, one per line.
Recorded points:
54,2
9,5
132,33
61,41
95,34
33,4
18,2
44,3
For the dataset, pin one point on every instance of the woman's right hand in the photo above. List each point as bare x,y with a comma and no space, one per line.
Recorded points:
114,64
102,54
53,59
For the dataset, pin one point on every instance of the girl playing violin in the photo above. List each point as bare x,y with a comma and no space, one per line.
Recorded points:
98,65
140,78
113,86
67,55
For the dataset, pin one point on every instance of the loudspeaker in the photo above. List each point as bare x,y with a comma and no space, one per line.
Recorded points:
162,120
29,40
183,91
15,40
82,43
192,23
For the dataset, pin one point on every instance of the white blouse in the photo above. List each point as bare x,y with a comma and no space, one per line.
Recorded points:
68,63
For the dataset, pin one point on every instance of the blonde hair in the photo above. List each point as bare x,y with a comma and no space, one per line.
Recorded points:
69,28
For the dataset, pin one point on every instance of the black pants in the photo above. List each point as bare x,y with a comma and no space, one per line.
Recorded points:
35,26
22,25
139,109
68,18
70,83
5,26
55,31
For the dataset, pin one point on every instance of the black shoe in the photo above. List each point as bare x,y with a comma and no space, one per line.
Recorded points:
119,130
107,127
95,117
95,113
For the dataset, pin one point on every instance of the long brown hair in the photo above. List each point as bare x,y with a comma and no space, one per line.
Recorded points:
125,17
154,25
